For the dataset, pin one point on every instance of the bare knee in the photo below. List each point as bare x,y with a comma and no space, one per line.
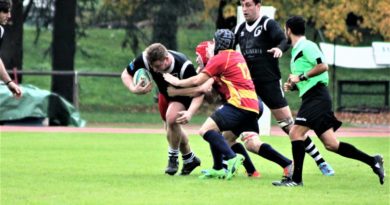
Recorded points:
251,141
202,132
331,146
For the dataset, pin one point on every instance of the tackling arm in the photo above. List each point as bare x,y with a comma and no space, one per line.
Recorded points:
188,82
193,91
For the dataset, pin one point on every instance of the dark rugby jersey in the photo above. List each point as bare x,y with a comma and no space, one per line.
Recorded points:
181,67
255,40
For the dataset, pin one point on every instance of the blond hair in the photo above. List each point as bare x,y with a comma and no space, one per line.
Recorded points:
156,52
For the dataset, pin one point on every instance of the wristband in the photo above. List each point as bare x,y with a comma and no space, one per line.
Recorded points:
302,77
8,82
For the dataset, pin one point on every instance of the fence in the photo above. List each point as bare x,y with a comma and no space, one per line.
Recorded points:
76,75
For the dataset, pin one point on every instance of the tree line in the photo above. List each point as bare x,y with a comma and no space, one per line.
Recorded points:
341,20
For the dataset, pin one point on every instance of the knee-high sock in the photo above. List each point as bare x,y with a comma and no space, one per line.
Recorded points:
217,158
350,151
312,150
298,151
240,149
269,153
217,141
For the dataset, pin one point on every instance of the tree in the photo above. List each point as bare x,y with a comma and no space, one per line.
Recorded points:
162,14
365,17
12,48
63,47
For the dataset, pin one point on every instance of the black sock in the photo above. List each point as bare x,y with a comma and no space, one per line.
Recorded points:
269,153
217,158
240,149
187,158
312,150
218,142
298,151
350,151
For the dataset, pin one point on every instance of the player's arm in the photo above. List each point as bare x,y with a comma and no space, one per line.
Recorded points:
188,82
277,35
127,80
12,86
316,70
192,91
185,116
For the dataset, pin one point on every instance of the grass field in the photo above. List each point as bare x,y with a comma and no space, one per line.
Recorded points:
83,168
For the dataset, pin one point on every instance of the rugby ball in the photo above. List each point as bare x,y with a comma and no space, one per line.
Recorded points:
142,75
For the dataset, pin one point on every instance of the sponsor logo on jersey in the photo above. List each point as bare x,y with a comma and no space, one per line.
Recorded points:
300,119
258,31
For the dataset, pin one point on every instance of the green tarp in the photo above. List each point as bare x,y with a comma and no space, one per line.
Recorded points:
35,104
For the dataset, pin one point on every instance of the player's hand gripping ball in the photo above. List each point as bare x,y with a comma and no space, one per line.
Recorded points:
142,75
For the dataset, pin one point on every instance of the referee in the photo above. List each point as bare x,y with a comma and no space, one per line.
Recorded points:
262,42
310,77
5,15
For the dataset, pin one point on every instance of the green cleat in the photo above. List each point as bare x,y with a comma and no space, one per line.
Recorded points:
213,174
233,165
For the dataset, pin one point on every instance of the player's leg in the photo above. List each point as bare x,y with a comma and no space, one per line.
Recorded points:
297,136
190,160
240,149
265,150
173,150
222,119
179,139
348,150
282,113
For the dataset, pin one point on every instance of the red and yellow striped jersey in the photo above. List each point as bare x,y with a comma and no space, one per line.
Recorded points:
235,81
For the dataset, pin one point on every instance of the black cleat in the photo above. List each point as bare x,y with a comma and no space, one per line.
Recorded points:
378,168
173,166
287,181
190,166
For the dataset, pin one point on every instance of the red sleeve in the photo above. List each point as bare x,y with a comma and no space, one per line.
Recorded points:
214,66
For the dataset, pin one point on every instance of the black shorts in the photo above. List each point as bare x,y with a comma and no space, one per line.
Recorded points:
228,117
316,111
271,93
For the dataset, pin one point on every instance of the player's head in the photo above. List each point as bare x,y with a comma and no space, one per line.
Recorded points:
158,57
296,25
223,40
251,9
202,53
5,11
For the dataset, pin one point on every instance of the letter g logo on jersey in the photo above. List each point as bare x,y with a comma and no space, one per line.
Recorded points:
258,31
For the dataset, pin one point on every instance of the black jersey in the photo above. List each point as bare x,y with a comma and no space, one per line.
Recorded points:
255,40
181,67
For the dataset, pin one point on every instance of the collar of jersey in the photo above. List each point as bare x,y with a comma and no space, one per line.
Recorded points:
299,42
253,26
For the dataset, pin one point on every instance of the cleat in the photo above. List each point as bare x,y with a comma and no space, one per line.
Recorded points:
213,174
288,171
378,168
326,169
287,181
190,166
233,165
255,174
173,166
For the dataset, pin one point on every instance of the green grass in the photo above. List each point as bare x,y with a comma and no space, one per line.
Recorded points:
85,168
